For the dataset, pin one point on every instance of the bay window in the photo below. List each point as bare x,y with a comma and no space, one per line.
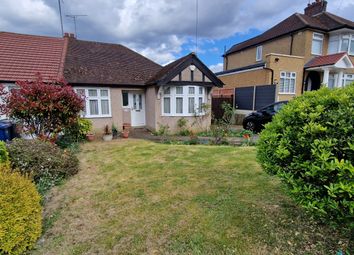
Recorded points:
97,102
183,100
341,43
287,82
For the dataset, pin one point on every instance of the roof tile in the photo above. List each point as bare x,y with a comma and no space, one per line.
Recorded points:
324,21
106,63
326,60
22,56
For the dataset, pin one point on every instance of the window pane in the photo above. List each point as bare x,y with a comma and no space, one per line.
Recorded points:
105,107
286,85
191,105
93,107
125,99
191,90
333,44
259,53
292,86
179,90
351,50
167,91
345,44
140,102
167,105
281,88
134,101
331,80
104,93
80,92
200,90
179,104
200,104
317,47
92,92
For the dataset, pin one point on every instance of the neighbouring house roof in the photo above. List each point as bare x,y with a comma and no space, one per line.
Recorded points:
240,69
326,60
168,72
105,63
324,21
22,56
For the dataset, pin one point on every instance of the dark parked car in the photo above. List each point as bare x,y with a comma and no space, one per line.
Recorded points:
255,121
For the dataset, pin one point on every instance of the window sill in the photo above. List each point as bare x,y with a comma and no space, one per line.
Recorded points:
285,93
181,115
97,117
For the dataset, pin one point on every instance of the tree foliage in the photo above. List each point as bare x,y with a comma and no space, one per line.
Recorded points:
43,108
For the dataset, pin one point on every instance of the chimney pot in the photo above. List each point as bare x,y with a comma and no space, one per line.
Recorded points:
316,7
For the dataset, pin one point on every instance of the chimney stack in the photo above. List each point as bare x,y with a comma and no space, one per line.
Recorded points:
316,7
69,35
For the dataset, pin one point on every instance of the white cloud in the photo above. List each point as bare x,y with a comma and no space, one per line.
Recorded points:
27,16
163,52
216,68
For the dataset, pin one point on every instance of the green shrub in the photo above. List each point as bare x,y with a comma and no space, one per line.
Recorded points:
46,163
4,154
20,213
75,133
162,131
310,146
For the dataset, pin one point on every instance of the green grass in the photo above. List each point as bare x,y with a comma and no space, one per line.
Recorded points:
134,197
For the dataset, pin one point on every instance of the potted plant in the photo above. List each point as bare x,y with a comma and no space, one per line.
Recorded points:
114,131
107,135
126,129
90,137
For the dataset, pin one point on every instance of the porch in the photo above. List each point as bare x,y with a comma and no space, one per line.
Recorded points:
333,71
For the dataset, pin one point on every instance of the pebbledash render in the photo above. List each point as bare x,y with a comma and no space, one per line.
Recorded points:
298,54
120,85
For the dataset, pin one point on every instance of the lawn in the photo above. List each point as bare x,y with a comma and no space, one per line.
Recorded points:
134,197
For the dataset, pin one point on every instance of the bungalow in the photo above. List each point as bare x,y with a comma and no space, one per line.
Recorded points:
120,85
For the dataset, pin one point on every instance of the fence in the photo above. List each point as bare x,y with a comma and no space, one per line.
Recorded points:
254,97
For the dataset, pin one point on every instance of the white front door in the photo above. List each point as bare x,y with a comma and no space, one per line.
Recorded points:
137,104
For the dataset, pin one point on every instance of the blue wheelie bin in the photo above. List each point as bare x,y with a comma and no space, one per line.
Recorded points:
5,131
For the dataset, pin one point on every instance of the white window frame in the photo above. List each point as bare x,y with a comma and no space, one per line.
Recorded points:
339,39
185,95
99,98
350,38
283,75
347,77
320,38
259,53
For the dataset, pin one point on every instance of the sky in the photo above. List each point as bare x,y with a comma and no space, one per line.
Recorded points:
162,30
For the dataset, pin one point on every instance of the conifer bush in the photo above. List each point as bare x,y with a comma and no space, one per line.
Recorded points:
20,212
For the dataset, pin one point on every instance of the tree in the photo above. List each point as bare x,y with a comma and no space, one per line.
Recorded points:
43,109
